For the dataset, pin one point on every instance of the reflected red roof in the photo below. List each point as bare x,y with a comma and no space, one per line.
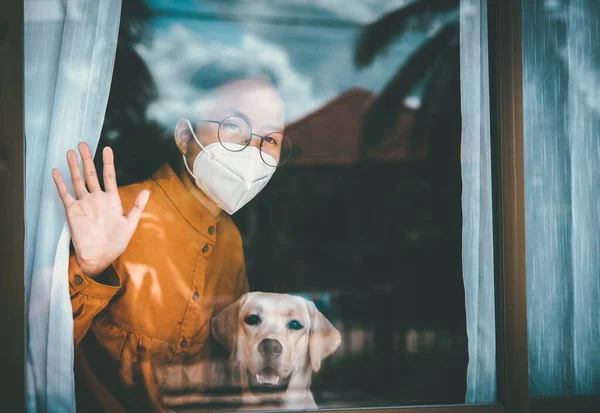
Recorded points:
330,134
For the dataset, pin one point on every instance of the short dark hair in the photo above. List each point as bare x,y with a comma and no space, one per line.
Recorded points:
214,75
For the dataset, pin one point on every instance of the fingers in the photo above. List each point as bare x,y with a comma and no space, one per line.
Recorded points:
63,192
138,207
76,178
110,176
91,178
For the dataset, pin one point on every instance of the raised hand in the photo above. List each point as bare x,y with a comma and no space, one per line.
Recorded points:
99,229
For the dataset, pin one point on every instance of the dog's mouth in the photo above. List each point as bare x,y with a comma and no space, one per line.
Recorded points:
267,380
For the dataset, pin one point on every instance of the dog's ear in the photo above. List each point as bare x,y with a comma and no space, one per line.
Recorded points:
224,326
324,338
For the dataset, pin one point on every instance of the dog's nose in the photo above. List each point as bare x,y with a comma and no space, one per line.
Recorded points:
270,348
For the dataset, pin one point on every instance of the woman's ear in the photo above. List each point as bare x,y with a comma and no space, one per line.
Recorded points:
183,135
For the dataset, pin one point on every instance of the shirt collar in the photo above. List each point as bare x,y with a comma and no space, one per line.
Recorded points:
189,207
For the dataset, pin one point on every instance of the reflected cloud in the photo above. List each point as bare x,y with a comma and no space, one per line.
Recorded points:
178,54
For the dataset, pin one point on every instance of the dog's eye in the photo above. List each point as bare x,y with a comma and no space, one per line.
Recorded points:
252,320
295,325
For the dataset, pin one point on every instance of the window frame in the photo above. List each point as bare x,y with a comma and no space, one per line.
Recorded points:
506,101
508,182
12,205
507,134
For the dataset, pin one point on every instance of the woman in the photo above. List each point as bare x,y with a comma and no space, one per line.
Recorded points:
145,284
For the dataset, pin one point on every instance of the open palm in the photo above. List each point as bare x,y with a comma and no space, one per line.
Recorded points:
99,228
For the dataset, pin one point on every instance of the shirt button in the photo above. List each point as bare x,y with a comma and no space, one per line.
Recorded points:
78,280
184,343
205,248
211,230
196,296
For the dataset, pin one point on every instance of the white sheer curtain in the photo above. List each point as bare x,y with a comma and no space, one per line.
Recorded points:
477,243
561,59
69,54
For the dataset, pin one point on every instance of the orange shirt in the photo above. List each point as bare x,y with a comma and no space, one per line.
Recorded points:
151,309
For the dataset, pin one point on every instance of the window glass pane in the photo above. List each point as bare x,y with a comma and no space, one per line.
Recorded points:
562,153
292,206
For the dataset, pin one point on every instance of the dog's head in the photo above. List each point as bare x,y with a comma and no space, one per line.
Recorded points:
275,337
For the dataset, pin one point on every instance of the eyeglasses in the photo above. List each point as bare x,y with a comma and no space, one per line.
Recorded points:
235,135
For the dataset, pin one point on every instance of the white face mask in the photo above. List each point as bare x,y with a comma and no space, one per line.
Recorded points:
230,179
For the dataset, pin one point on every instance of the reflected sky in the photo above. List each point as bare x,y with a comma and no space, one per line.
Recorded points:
310,62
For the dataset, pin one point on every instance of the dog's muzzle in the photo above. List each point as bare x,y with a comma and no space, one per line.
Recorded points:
269,378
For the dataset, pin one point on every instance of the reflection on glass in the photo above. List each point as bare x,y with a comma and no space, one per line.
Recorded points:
355,243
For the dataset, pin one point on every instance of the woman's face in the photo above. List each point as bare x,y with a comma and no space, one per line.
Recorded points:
254,101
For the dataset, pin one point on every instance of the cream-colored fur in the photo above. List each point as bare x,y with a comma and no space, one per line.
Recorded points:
288,356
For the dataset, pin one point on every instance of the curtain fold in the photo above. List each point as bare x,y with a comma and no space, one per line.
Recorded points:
69,49
477,237
561,97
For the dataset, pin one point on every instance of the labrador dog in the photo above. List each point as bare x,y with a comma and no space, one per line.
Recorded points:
278,341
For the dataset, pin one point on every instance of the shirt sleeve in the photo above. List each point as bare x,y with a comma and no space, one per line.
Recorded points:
89,295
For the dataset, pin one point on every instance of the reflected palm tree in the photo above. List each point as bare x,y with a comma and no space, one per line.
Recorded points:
435,64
